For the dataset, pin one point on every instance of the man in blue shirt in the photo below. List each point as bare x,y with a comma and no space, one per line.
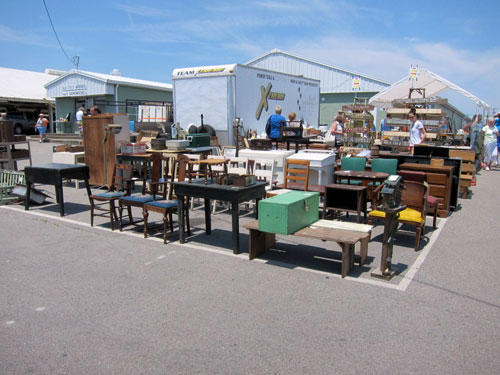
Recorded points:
383,124
276,122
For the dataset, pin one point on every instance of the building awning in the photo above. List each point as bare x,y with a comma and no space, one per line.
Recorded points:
431,82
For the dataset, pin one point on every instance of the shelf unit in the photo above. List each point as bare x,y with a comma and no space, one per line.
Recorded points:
359,133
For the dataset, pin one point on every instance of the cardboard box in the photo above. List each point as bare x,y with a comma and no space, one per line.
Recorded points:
289,212
133,148
175,144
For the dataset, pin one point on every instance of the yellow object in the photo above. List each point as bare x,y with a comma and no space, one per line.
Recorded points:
408,214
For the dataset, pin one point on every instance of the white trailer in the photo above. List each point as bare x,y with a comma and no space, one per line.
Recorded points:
223,93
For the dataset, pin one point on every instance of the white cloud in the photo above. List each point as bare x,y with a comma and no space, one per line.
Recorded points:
23,37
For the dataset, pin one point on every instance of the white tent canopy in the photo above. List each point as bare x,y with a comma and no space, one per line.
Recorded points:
431,82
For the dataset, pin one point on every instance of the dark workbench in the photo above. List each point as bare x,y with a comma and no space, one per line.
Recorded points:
53,174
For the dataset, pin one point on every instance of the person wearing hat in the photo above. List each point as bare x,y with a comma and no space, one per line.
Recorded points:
41,126
79,119
274,124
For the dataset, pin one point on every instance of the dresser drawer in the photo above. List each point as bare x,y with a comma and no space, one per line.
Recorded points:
436,178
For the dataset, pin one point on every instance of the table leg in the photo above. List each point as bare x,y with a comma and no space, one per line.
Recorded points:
363,250
259,242
208,222
60,198
27,197
347,258
182,234
236,227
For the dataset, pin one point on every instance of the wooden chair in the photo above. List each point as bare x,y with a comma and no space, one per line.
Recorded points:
414,197
121,186
296,175
264,171
432,201
238,165
168,206
195,169
159,176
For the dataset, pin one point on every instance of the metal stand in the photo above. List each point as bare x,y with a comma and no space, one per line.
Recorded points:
391,223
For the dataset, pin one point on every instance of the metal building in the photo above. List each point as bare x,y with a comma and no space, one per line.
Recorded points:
337,85
112,93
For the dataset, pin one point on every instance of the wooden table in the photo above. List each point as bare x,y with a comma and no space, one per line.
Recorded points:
53,174
324,230
227,193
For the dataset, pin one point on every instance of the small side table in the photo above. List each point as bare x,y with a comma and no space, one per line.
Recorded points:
343,197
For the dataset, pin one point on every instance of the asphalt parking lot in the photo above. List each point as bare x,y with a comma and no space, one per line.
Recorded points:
81,299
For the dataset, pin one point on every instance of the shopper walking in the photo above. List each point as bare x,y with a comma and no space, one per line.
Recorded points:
417,130
490,134
41,126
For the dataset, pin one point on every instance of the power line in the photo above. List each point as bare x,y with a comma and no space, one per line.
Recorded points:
75,61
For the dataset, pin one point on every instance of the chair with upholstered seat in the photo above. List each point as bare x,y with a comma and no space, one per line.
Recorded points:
432,201
389,166
159,175
168,206
105,202
352,164
414,197
156,181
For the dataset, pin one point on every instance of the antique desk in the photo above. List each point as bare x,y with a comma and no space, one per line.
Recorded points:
53,174
227,193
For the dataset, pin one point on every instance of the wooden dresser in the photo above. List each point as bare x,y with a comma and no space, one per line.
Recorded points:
439,179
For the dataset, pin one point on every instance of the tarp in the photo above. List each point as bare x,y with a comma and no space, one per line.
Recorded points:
431,82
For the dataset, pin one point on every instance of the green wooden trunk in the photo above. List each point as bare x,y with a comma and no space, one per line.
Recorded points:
289,212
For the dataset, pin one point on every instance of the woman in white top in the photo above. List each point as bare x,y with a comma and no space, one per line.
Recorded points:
490,133
337,129
417,130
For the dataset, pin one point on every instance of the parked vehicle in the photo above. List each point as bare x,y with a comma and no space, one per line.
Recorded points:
24,122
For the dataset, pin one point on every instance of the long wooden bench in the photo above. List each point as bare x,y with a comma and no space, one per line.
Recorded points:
345,234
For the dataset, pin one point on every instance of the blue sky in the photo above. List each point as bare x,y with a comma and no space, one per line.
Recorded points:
459,40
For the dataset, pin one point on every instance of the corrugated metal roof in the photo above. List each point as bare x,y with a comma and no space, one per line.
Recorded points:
333,79
116,79
23,85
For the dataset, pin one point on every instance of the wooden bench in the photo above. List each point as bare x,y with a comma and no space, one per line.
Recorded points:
8,181
345,234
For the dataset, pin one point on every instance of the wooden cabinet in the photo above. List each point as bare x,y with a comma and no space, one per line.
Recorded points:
439,179
101,149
